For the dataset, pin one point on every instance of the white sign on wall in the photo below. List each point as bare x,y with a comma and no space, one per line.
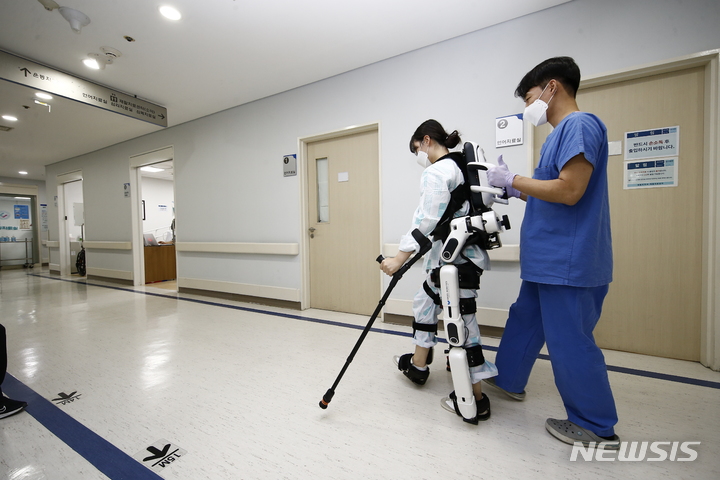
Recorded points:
659,172
658,142
290,165
508,131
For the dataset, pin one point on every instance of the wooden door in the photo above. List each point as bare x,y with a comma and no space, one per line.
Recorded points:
344,223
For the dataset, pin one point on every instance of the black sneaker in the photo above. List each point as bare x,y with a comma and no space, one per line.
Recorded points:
9,406
418,377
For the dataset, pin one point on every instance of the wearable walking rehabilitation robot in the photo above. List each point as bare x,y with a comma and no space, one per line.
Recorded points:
481,226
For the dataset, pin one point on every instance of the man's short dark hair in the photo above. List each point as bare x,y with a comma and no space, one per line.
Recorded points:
562,69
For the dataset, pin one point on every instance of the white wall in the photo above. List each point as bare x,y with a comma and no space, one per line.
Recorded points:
157,193
232,159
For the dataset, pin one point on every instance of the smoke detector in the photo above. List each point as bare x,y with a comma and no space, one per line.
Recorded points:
100,60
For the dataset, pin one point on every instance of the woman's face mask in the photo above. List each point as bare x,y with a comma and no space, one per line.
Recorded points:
536,112
422,158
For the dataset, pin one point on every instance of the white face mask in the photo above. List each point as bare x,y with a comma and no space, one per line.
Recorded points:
536,112
422,158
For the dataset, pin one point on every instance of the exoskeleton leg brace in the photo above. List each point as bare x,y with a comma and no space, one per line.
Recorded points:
460,357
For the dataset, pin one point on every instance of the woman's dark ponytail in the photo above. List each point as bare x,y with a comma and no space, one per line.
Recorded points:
434,130
452,140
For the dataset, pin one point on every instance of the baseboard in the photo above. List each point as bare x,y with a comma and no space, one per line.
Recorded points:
119,281
257,291
109,273
241,298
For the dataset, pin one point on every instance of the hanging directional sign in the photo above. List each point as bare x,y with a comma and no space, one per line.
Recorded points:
25,72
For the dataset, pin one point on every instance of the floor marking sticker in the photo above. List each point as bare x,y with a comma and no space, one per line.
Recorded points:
159,455
65,398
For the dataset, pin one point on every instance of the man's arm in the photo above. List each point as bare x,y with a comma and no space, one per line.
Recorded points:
568,188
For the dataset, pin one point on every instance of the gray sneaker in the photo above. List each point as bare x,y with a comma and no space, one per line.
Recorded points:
568,432
515,396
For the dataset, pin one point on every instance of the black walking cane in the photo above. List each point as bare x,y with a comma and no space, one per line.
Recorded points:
425,245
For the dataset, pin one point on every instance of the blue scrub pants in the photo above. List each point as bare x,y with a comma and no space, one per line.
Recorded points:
563,317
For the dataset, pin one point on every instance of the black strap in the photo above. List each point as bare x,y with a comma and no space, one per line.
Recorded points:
457,198
467,305
424,327
434,296
468,275
475,355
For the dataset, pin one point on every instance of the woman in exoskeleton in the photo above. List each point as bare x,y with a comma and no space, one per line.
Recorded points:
441,176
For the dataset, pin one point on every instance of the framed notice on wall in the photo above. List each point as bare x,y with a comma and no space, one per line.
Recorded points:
660,172
651,158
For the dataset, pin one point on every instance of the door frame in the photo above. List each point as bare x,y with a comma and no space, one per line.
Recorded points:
710,60
63,240
138,244
305,198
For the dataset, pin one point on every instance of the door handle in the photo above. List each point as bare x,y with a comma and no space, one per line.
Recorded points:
312,232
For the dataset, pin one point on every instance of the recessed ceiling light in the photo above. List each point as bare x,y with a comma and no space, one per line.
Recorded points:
91,63
9,118
22,172
44,96
22,198
151,169
170,12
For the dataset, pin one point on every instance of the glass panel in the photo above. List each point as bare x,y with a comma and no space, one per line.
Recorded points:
322,190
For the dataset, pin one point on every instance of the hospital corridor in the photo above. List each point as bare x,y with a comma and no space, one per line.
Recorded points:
360,240
142,382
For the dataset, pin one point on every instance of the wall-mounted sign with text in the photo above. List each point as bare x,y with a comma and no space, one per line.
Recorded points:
509,131
290,165
658,142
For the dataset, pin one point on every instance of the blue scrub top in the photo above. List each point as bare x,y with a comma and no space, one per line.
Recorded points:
562,244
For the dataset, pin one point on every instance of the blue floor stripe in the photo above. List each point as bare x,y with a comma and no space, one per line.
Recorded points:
611,368
103,455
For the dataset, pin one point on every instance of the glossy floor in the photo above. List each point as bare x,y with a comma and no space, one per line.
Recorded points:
161,385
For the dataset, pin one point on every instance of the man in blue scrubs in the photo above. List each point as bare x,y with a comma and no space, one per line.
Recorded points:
565,258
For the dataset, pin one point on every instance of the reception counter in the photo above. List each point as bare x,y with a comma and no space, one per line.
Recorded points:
160,263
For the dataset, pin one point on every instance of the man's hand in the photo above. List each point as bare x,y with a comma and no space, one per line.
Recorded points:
502,177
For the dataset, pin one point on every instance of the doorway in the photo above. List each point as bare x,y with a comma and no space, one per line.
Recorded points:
74,215
158,217
152,188
342,213
18,230
71,220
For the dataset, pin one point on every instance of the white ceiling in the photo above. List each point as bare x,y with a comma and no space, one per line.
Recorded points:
221,54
